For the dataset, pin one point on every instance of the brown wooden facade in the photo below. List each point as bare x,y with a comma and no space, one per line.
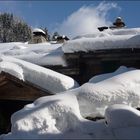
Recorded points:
12,88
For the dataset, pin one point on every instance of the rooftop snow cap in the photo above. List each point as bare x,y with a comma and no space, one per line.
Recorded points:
119,18
37,30
119,22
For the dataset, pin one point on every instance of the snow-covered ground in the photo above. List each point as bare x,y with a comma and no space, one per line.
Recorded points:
114,96
62,120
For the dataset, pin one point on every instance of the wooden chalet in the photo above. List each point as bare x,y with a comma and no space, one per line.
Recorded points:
81,66
39,36
19,90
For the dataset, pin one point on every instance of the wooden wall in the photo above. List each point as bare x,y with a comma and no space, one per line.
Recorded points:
11,88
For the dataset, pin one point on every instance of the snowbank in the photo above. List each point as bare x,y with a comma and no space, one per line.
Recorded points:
53,117
59,117
122,116
124,121
62,116
48,115
123,88
110,39
45,78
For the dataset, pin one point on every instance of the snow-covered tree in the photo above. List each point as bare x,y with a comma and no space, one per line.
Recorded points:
13,29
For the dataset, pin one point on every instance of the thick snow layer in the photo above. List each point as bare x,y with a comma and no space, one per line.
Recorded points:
52,115
123,31
38,30
57,114
111,39
124,88
59,117
12,69
41,53
105,76
10,46
124,121
62,116
45,78
122,116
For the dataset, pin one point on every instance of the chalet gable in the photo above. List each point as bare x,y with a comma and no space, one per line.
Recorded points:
12,88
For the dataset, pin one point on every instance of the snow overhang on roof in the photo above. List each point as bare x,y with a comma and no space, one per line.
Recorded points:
37,30
109,39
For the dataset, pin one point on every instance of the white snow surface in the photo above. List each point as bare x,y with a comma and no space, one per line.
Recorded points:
123,88
40,76
63,116
105,76
124,121
41,53
53,54
38,30
108,39
113,96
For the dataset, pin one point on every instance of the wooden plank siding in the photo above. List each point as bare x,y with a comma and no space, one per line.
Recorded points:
12,88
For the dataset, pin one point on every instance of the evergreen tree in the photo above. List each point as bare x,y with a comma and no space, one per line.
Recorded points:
13,29
6,24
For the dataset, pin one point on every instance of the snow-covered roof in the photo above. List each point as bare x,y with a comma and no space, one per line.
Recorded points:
41,53
109,39
43,77
37,30
113,96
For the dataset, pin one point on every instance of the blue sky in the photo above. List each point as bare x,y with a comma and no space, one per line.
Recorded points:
57,15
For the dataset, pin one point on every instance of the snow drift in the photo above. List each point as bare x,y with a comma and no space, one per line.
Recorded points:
124,121
59,117
122,88
48,115
62,116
